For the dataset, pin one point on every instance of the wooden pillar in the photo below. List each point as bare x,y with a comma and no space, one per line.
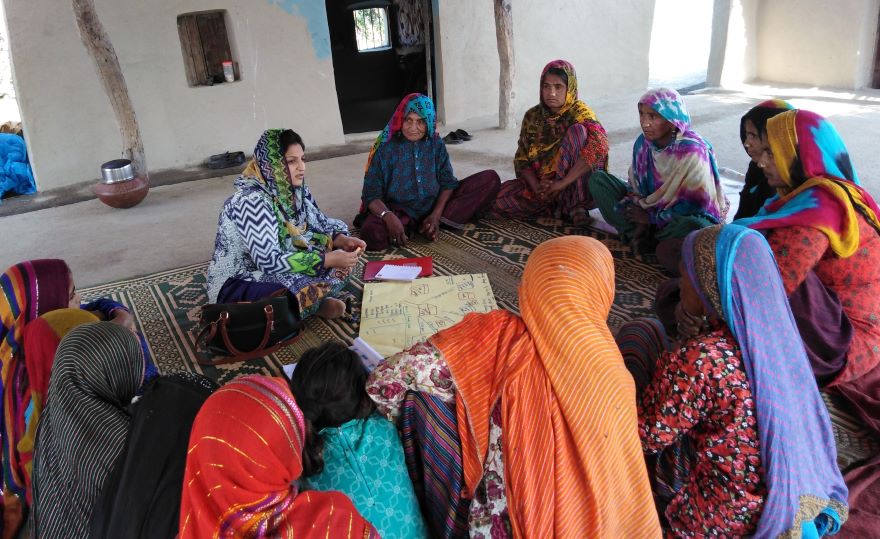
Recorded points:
504,36
101,50
428,39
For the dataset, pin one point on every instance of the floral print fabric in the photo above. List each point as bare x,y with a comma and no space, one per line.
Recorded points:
701,392
422,367
855,280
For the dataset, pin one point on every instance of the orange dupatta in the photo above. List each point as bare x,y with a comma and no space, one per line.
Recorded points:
573,461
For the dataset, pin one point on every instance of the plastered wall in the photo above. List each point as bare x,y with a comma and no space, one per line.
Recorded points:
286,73
816,42
607,42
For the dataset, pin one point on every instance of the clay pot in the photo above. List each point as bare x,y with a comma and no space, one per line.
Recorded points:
119,188
122,194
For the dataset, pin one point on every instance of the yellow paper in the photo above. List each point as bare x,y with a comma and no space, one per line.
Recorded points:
394,316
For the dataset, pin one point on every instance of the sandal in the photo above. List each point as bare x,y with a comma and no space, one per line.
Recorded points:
463,135
225,160
452,138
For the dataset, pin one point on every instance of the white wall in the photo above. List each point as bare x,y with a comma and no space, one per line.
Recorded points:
816,41
607,42
286,81
737,60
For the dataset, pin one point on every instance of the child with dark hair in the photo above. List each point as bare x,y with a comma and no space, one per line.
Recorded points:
356,451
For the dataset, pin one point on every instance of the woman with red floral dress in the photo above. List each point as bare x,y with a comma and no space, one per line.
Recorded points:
739,405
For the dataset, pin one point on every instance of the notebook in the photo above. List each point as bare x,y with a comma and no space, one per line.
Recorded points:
424,262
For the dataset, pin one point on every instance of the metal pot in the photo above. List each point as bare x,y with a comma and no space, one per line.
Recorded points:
117,171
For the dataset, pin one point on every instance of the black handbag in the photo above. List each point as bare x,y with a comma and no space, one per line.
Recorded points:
247,330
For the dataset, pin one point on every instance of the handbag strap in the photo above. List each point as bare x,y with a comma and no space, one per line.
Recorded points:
249,355
210,331
269,311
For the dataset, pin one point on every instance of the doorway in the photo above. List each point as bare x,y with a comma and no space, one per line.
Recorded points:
667,65
381,52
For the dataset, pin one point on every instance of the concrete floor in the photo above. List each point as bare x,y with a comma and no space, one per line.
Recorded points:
175,225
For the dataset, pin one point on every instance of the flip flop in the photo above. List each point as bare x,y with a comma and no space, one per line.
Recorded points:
463,135
225,160
452,138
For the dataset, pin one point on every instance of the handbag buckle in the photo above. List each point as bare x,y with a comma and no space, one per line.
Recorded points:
270,311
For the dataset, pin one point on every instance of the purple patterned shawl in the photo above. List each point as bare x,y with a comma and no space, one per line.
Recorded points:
736,273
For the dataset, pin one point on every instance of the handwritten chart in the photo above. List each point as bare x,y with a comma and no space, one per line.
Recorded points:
395,316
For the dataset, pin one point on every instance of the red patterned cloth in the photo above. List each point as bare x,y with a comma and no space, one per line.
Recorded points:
702,391
855,280
245,455
586,140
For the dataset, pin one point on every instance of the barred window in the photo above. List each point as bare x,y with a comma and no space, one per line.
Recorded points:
371,29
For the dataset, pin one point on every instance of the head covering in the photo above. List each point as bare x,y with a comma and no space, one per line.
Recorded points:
735,271
299,218
542,130
245,456
27,290
141,498
418,103
41,339
573,461
756,191
681,178
82,432
760,113
822,189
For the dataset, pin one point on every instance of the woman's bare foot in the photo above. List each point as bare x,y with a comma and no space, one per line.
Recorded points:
331,308
581,218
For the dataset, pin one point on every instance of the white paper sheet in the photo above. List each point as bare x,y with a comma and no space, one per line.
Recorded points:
391,272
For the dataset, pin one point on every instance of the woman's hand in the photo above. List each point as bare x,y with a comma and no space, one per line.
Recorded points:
637,215
431,226
550,189
347,243
396,231
528,175
123,318
341,259
689,325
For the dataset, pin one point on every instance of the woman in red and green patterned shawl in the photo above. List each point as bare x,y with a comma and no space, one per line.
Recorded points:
560,145
272,235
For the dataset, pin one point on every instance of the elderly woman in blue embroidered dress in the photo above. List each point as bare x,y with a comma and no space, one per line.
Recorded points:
409,184
673,186
272,236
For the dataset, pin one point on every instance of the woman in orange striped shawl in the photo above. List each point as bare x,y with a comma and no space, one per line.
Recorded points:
571,458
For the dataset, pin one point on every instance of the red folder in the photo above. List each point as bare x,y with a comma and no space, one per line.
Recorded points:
425,262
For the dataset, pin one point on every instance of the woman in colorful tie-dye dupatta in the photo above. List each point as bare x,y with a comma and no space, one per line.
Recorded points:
561,143
673,186
272,236
823,221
